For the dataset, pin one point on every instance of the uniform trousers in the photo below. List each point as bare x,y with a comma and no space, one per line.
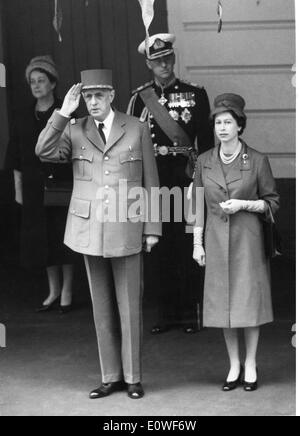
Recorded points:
116,292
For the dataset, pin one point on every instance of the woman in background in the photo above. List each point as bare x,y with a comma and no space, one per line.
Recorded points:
42,227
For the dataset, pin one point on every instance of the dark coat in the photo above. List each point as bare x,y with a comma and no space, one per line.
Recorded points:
21,156
237,290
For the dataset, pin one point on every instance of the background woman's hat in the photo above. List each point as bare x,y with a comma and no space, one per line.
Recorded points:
229,102
96,79
160,45
45,63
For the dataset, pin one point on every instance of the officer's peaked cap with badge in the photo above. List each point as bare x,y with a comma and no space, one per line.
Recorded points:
229,102
160,45
96,79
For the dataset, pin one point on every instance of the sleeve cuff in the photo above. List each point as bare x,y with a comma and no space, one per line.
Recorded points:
59,122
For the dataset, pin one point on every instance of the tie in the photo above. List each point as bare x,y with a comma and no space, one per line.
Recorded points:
100,128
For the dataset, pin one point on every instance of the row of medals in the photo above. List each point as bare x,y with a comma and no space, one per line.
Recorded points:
183,100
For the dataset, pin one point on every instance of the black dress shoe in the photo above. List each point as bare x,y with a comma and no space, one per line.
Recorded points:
48,307
159,329
106,389
135,391
250,387
65,309
230,386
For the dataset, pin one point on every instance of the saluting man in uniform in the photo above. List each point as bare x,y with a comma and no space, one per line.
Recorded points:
106,147
177,113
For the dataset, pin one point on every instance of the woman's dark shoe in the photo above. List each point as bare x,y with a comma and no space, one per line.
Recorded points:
250,387
48,307
159,329
135,391
65,309
106,389
230,386
190,329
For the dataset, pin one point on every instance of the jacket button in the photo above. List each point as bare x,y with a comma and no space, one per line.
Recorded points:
106,158
80,157
107,173
106,201
153,135
106,187
83,148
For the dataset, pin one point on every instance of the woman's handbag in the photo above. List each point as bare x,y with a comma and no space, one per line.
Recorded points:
272,239
57,192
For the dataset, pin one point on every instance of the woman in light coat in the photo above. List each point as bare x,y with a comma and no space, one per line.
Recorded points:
239,189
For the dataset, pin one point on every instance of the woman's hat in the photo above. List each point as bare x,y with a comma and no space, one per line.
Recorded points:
96,79
44,63
229,102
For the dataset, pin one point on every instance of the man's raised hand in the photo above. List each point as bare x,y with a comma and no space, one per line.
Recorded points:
71,101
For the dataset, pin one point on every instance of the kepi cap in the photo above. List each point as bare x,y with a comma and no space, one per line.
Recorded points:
96,79
229,102
160,45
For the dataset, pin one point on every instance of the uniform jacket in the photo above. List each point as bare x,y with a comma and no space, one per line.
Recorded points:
97,169
188,105
237,281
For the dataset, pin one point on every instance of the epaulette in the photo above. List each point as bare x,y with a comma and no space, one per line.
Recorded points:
141,88
195,85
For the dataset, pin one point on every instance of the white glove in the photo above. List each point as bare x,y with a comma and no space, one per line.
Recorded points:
199,253
150,242
233,206
18,187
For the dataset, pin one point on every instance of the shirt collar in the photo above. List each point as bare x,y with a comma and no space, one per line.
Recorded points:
108,120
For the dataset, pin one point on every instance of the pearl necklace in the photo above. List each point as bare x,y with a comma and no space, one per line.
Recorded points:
229,159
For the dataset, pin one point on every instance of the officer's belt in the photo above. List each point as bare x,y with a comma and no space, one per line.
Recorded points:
164,150
169,126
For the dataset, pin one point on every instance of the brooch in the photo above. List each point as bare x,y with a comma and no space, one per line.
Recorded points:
245,158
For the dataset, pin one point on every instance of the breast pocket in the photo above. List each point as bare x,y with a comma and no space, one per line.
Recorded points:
83,165
131,165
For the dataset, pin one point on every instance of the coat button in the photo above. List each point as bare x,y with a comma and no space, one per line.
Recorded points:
106,187
83,148
131,158
153,135
81,157
106,201
107,173
106,158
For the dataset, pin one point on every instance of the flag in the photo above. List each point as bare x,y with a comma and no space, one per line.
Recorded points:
58,18
220,15
148,15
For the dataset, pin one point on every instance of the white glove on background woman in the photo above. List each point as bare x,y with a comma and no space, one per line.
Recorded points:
18,187
233,206
199,253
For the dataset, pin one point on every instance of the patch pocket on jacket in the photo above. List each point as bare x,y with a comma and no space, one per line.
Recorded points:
80,223
83,165
132,165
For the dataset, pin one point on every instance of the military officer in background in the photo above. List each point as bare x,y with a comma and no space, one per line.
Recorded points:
106,147
177,113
